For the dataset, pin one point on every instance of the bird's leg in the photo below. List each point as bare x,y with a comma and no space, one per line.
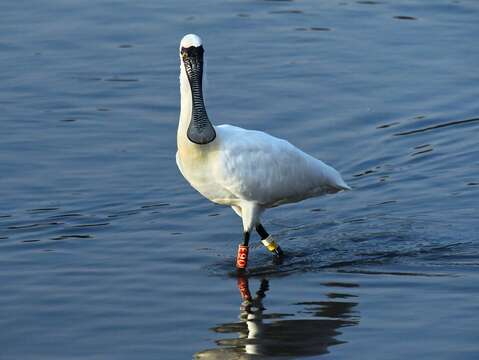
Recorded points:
246,235
242,257
268,241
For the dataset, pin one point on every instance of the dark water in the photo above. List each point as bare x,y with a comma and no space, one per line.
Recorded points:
106,253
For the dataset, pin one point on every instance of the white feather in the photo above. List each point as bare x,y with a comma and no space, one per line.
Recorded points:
255,166
190,40
246,169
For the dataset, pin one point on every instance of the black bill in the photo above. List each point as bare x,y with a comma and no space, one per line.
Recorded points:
200,131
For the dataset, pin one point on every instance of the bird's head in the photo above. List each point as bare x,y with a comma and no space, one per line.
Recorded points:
191,54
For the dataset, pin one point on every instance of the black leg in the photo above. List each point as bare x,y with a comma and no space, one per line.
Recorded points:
262,231
246,235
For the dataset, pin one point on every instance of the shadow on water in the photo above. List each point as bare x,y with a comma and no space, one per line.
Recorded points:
310,330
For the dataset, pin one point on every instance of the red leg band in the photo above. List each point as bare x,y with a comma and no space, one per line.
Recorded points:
242,257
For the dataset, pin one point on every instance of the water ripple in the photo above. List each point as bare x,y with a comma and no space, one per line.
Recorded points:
433,127
401,17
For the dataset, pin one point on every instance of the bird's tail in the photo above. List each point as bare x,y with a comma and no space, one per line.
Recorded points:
344,186
340,184
335,180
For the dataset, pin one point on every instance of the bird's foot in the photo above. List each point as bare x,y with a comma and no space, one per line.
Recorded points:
278,260
272,247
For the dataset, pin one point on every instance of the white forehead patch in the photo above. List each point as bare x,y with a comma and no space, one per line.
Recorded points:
190,40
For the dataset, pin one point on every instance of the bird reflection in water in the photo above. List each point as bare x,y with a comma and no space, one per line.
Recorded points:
268,335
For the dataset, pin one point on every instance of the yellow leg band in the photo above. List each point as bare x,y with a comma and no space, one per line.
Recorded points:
270,244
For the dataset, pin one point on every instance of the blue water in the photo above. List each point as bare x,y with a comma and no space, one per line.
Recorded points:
107,253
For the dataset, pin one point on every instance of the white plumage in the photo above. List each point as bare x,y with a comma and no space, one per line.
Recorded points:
245,169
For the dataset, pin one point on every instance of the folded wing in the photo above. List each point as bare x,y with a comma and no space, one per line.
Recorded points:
255,166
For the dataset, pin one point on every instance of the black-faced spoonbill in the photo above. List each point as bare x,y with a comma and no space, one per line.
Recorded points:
245,169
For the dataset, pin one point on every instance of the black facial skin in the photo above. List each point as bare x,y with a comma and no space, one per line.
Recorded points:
200,131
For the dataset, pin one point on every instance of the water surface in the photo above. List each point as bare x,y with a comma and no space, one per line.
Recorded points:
107,253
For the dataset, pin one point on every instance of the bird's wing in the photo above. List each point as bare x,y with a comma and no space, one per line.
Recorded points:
258,167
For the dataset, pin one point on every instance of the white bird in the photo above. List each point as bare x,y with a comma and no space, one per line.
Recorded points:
246,169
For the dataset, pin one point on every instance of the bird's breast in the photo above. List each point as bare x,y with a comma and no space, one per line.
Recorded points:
200,168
